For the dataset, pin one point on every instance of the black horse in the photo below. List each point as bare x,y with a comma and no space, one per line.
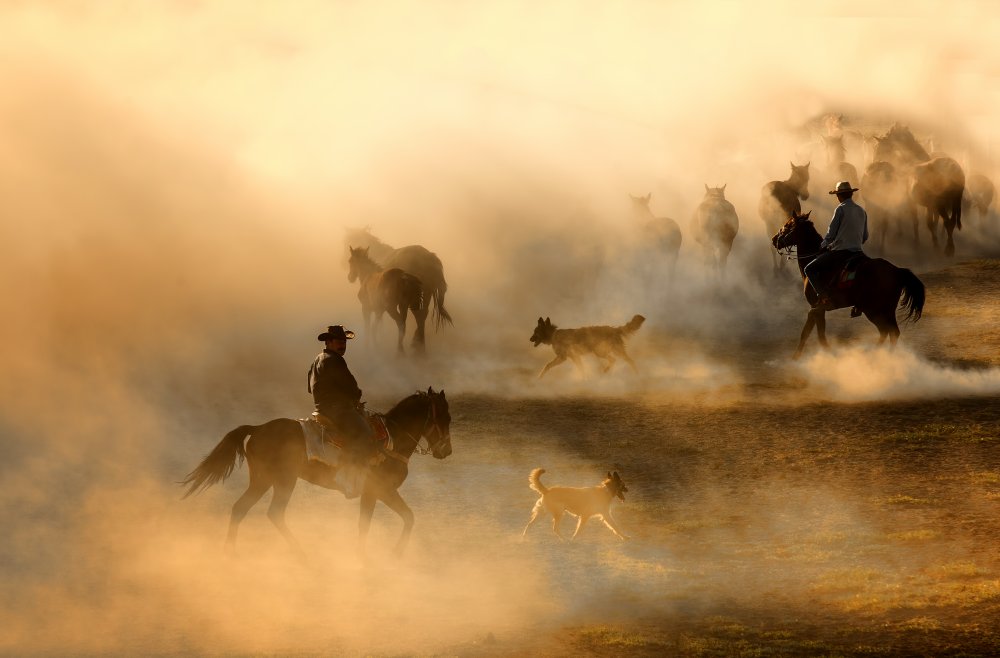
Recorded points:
875,290
276,457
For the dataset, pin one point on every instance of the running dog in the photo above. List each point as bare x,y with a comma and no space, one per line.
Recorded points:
582,502
604,342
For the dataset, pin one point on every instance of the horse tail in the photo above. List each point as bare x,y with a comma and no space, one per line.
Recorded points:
535,481
913,294
440,313
412,291
633,325
219,464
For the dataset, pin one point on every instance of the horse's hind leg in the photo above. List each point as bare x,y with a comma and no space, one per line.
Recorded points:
400,318
419,336
276,512
255,490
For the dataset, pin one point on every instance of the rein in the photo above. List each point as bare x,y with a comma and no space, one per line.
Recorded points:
430,424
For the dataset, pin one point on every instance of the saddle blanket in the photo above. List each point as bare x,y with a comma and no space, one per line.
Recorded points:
325,447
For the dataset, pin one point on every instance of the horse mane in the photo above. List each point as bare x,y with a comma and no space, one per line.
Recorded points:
363,237
404,404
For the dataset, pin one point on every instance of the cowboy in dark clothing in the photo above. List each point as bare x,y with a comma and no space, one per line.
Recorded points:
337,396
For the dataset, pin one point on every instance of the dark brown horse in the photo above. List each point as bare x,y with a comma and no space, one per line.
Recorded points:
414,259
875,291
662,234
779,199
391,291
275,453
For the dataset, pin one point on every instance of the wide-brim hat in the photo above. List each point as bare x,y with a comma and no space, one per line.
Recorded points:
844,187
335,332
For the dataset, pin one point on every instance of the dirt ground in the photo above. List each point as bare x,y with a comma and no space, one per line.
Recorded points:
779,523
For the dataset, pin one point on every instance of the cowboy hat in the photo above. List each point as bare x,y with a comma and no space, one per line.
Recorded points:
335,332
843,187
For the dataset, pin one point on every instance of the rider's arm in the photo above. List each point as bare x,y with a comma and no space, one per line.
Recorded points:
831,233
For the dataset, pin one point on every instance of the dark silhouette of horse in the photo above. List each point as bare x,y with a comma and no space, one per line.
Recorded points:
715,226
391,291
887,199
779,199
979,193
837,166
414,259
275,453
662,234
937,181
875,291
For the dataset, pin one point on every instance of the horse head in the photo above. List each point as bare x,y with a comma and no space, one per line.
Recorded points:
790,234
437,429
799,180
715,192
640,205
358,263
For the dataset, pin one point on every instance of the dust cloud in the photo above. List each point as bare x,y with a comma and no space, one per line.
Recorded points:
177,182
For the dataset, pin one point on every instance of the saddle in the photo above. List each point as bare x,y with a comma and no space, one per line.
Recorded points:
329,432
845,277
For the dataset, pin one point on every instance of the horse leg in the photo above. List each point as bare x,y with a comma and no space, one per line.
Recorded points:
400,319
419,341
553,363
396,503
535,514
276,512
949,227
255,490
368,500
932,226
821,329
806,330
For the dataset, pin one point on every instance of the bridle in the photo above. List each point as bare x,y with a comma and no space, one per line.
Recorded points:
431,425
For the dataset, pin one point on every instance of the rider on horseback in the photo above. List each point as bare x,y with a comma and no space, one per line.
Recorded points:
848,231
338,398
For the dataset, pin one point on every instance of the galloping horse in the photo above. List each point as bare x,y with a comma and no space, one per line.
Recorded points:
877,286
414,259
715,226
391,291
663,233
779,199
276,457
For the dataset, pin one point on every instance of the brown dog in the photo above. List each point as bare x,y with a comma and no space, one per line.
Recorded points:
604,342
582,502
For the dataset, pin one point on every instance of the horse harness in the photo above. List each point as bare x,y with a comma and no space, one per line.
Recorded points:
430,424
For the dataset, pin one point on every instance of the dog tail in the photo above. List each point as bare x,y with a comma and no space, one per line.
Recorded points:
535,481
633,325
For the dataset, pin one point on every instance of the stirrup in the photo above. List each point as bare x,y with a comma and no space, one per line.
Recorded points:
855,312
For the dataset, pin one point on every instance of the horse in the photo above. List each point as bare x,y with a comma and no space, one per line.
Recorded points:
391,291
779,199
661,233
938,182
836,160
875,292
887,200
979,193
415,259
275,453
716,225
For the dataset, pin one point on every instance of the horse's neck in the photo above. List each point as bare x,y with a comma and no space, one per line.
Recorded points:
797,182
367,270
808,248
411,424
